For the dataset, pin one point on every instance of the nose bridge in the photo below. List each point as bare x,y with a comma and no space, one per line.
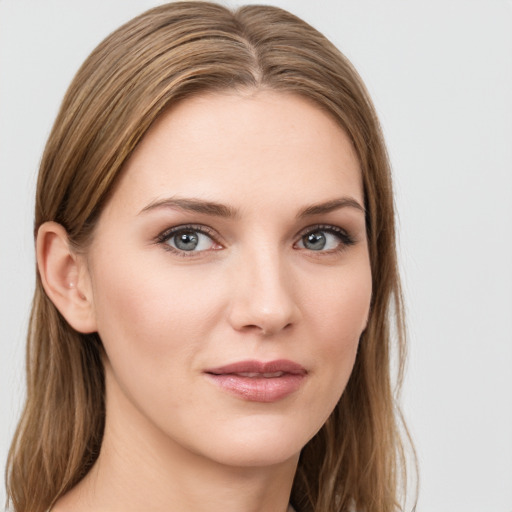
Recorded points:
264,299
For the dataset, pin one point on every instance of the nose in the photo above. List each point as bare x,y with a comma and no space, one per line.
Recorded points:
263,299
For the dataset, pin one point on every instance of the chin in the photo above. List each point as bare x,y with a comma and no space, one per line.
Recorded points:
257,456
259,445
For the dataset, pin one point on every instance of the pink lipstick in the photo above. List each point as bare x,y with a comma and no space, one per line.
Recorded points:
257,381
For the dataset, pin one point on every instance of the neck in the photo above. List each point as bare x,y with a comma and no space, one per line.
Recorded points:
140,468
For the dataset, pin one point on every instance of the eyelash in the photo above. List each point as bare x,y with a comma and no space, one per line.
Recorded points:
345,239
166,235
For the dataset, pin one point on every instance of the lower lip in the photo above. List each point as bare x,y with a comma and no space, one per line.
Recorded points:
256,389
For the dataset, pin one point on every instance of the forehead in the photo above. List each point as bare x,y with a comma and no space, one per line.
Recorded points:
237,147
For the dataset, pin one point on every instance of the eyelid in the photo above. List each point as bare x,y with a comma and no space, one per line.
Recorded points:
168,233
346,239
321,227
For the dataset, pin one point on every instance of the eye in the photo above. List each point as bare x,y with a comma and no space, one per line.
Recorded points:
188,239
325,238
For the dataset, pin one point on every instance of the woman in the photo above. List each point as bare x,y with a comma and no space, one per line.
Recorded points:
216,268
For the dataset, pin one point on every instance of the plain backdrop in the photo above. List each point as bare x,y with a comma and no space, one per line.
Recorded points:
440,73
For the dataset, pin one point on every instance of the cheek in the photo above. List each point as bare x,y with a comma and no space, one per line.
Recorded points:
148,317
340,303
337,314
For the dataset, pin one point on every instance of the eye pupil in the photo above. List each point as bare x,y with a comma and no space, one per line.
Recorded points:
186,240
314,241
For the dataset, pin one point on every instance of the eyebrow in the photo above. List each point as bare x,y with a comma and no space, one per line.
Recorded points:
330,206
222,210
193,205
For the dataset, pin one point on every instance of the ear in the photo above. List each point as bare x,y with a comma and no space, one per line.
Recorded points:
65,277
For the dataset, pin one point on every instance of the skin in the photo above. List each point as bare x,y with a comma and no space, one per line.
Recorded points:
174,440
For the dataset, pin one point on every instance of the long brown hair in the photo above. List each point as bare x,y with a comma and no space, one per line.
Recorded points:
167,54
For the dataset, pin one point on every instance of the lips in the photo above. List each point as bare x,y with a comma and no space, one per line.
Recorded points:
258,381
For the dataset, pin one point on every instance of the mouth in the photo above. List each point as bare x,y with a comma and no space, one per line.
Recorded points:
257,381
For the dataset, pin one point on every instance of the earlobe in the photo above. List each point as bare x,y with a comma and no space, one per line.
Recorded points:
65,277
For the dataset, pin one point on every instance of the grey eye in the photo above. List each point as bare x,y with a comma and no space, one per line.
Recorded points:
323,240
315,241
190,240
186,240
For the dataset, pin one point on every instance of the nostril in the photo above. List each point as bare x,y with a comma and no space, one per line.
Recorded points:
265,330
252,327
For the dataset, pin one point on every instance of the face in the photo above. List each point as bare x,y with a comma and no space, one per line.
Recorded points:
230,277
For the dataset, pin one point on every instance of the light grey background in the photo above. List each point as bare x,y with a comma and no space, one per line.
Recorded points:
440,73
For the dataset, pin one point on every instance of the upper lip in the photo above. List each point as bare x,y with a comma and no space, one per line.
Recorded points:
259,367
